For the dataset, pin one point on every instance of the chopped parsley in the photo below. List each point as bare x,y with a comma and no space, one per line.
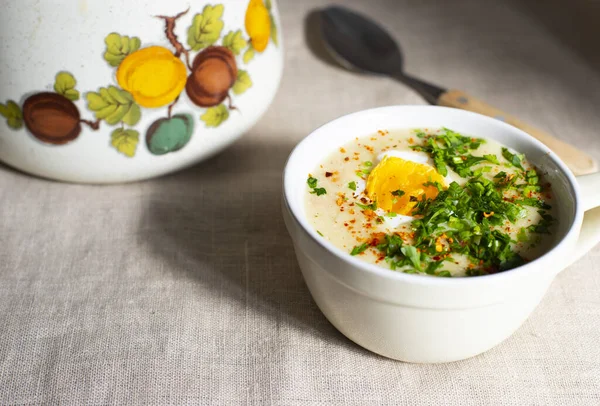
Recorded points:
473,220
372,206
359,249
352,185
514,159
365,169
312,183
451,149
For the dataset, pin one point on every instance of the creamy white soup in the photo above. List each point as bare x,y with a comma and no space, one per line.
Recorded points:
431,202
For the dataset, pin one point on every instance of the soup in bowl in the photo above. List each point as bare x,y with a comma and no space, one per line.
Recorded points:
419,226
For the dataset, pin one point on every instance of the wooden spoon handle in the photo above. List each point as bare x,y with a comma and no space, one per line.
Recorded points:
578,161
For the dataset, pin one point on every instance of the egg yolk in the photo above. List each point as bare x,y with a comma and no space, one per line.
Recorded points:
394,181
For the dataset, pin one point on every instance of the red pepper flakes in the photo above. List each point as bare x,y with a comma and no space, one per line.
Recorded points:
369,148
346,159
345,224
369,214
353,220
351,211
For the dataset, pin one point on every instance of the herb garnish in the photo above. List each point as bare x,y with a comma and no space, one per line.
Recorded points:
372,206
352,186
451,149
514,159
359,249
468,220
312,183
366,169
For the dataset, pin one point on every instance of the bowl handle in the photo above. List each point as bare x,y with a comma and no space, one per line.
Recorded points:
589,235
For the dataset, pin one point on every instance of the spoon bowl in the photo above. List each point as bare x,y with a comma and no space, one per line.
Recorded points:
360,43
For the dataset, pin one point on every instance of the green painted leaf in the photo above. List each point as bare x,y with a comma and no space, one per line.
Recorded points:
206,27
72,94
133,116
215,116
274,32
242,83
114,106
235,42
125,141
96,102
65,85
12,112
118,47
249,54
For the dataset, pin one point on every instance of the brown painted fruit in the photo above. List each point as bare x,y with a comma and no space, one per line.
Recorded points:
214,71
52,118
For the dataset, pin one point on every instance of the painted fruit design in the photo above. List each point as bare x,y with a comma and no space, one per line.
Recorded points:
154,76
207,70
169,134
218,64
52,118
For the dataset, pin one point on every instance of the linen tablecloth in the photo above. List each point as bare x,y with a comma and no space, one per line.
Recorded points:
185,289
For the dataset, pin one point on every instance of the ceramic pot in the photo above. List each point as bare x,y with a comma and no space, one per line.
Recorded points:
115,91
425,319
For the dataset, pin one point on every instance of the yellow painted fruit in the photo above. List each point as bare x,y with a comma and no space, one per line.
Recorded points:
394,181
258,24
153,76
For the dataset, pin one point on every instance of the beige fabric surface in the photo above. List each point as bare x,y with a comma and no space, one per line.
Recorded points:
185,289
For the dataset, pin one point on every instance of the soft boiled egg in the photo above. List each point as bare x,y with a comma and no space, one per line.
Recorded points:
398,180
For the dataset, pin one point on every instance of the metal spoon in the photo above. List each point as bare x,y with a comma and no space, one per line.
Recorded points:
359,43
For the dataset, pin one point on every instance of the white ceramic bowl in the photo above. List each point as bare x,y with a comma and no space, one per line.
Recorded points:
418,318
110,91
